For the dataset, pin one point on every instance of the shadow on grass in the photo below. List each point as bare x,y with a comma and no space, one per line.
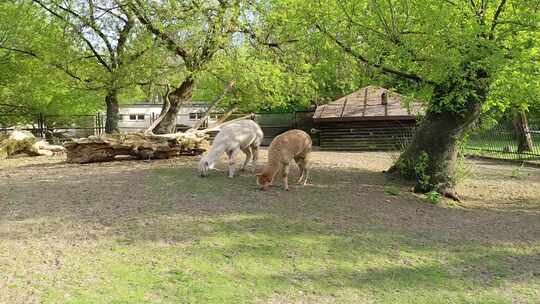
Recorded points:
315,258
348,199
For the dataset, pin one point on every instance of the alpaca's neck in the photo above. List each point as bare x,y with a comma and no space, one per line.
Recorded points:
214,153
273,167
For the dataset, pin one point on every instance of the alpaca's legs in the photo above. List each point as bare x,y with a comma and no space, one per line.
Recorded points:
306,175
255,154
285,175
232,160
304,169
302,166
248,153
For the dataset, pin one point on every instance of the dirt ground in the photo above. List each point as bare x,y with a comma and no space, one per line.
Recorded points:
64,205
500,200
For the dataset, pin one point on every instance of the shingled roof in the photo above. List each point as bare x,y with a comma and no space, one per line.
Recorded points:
369,103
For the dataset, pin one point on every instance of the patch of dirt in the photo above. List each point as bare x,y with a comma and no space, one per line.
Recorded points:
501,201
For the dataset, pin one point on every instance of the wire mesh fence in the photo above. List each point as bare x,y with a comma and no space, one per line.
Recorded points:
501,141
56,129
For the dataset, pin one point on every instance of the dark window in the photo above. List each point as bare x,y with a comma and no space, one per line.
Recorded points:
140,117
194,116
384,98
132,117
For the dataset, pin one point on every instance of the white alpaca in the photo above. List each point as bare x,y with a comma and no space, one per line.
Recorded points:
242,135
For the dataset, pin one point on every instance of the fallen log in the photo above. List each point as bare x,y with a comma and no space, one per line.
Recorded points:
138,145
44,148
24,142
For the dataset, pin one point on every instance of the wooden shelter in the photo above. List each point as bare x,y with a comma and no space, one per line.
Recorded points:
372,118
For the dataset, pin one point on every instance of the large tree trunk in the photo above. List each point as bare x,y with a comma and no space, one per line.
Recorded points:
430,158
177,97
111,123
521,127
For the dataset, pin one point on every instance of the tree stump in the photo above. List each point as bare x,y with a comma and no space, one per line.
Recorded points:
141,146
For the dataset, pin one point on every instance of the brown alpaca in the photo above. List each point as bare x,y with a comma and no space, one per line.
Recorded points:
293,144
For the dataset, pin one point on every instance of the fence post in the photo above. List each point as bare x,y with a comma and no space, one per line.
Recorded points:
101,125
41,125
98,130
96,124
35,130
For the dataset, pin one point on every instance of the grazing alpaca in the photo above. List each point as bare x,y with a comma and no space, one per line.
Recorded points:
293,144
244,135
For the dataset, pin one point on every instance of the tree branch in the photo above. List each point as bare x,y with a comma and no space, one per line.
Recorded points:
29,53
56,65
350,19
213,105
359,57
78,32
92,24
450,2
495,18
168,40
123,36
258,40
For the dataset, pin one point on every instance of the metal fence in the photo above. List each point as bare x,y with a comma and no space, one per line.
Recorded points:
497,141
55,128
501,141
59,128
274,124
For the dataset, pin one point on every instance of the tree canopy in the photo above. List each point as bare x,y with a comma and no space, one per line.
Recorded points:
32,80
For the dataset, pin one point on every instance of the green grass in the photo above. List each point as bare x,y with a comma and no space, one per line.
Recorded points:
217,240
232,267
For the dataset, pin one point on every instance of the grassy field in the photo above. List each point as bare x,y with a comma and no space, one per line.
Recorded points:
154,232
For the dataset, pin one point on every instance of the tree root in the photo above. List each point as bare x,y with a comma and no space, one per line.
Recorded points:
451,194
445,191
392,173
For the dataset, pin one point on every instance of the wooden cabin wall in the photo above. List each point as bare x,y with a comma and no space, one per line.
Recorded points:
366,135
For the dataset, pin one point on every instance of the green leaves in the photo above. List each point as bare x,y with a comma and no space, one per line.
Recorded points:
283,53
454,48
30,47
